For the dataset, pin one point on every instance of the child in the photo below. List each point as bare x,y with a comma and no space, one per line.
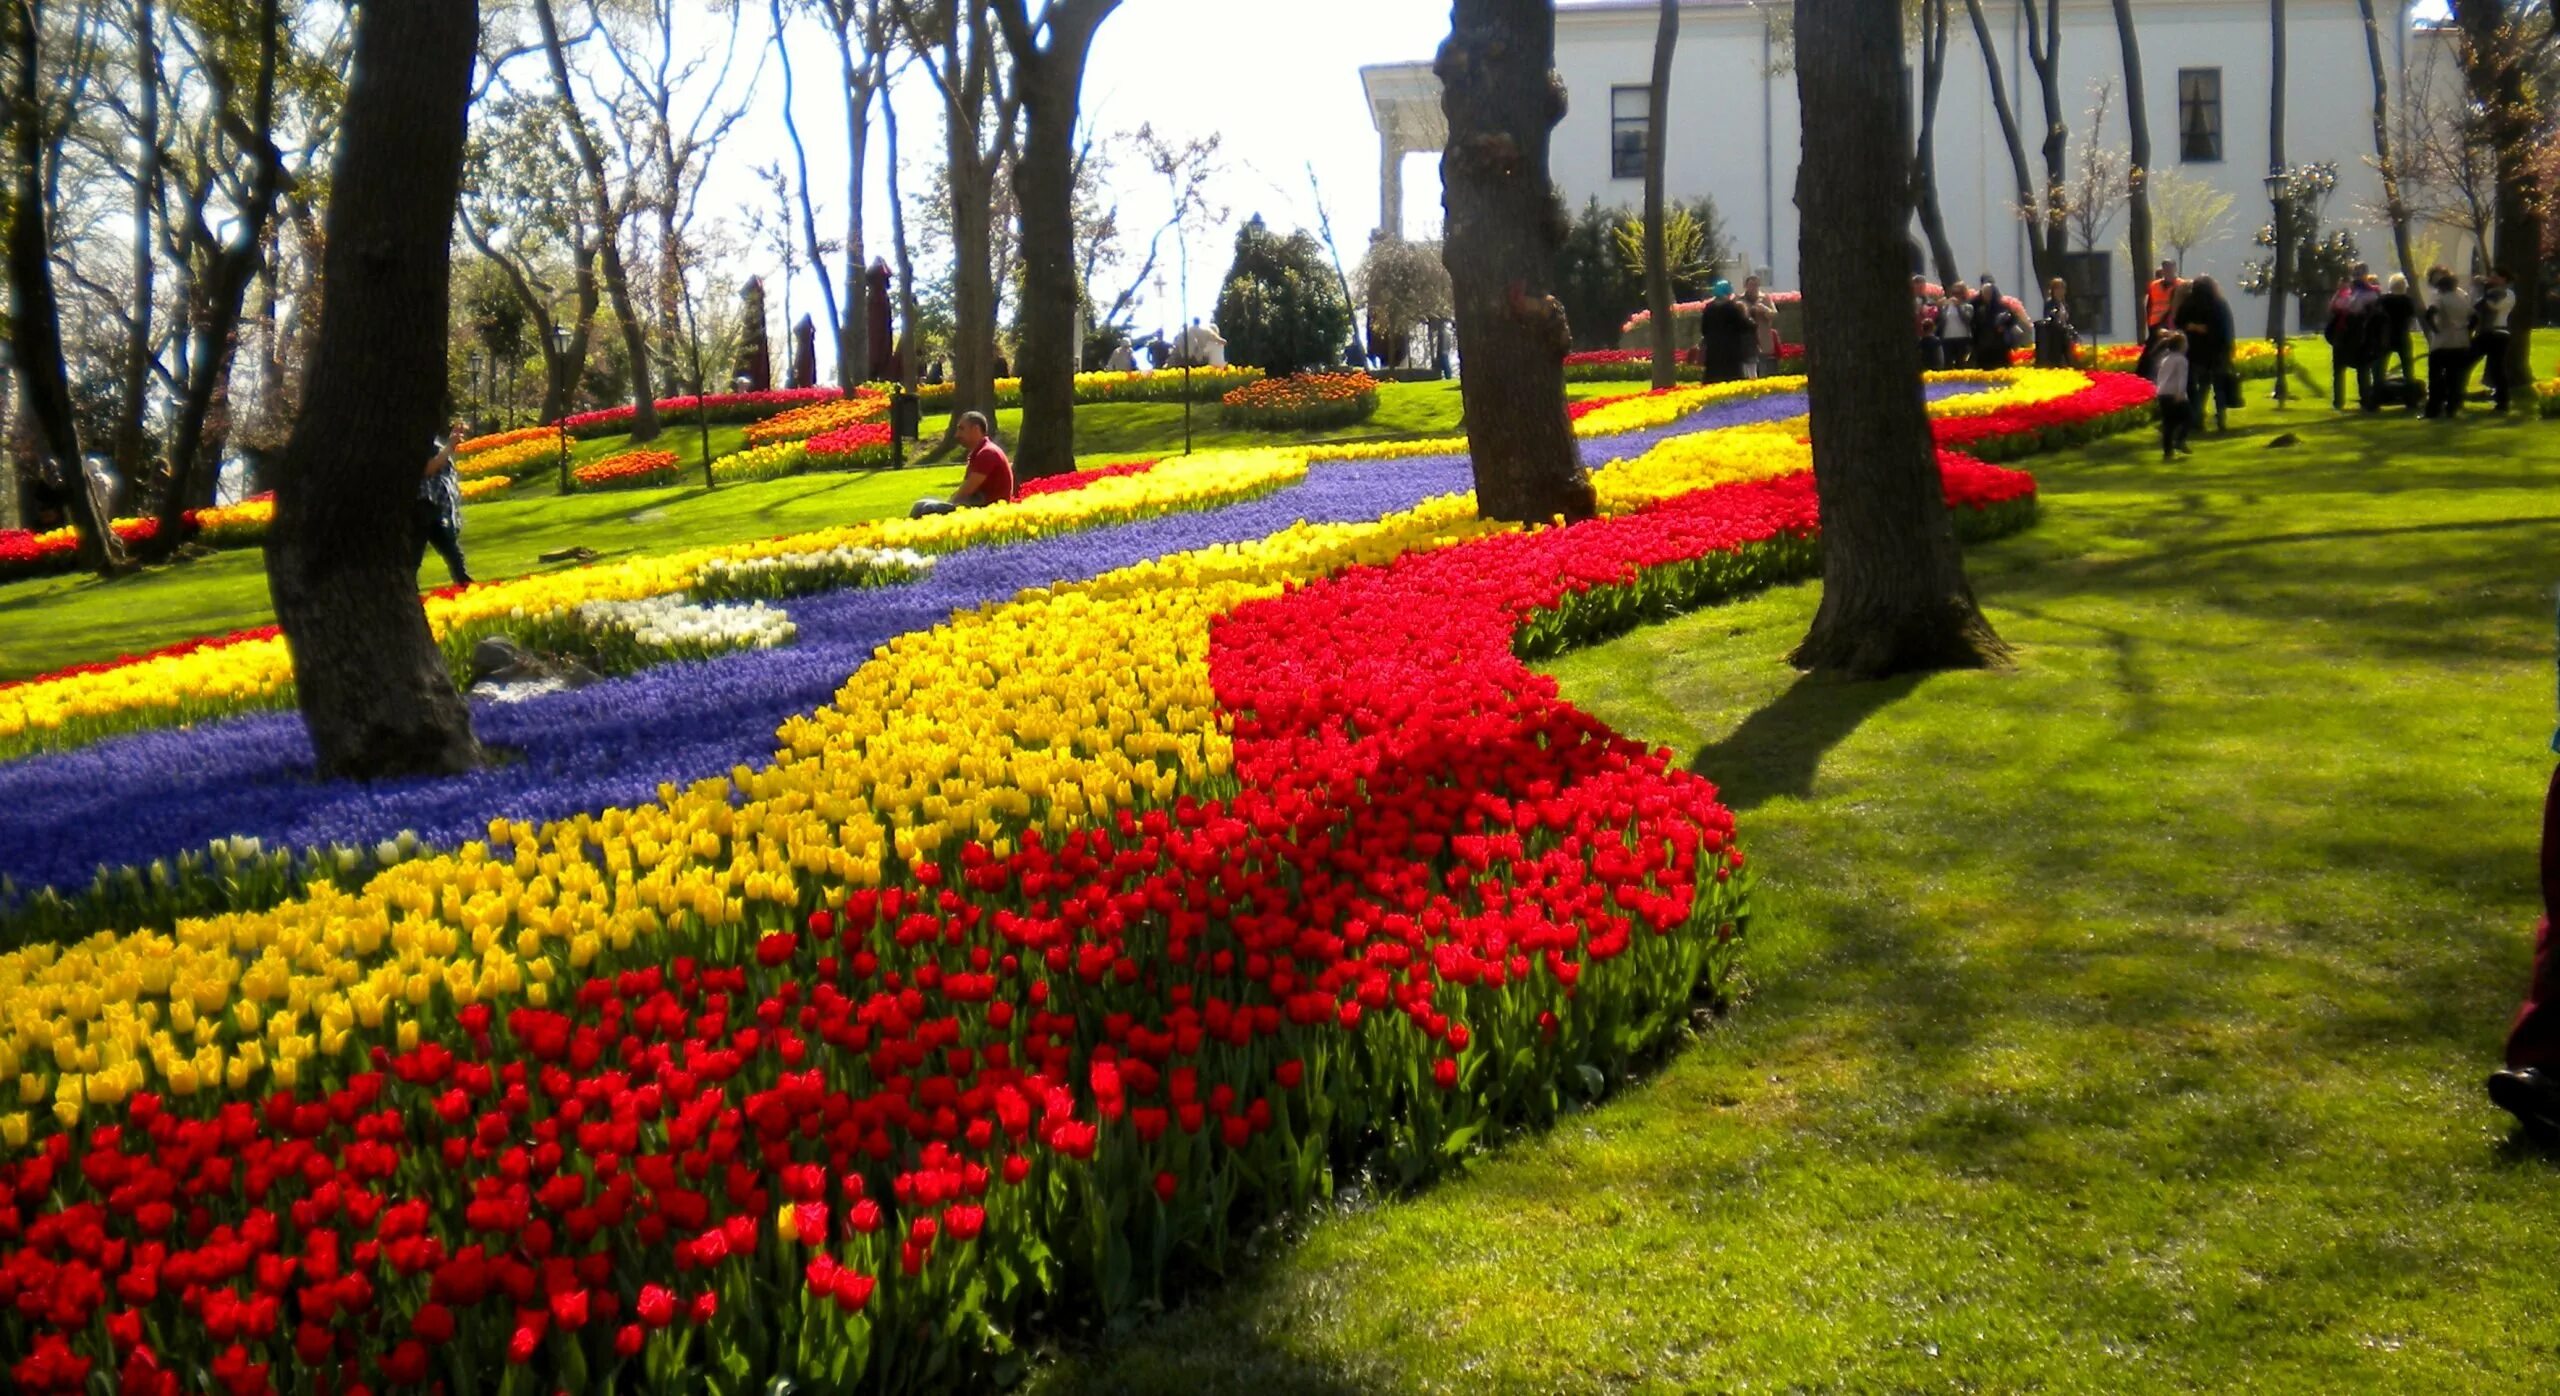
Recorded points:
2169,385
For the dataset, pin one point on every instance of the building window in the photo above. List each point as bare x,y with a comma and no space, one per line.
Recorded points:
2199,114
1630,130
2089,279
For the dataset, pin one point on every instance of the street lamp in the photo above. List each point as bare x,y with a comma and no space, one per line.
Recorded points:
2280,196
560,351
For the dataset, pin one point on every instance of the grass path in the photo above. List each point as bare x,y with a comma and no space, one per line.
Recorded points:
2116,1023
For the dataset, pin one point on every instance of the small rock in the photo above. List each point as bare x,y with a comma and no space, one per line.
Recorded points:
499,654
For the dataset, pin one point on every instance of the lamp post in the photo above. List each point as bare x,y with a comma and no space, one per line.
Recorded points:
560,350
2280,196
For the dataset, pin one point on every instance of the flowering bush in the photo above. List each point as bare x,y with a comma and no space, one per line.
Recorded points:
1160,385
801,423
715,407
630,470
1302,402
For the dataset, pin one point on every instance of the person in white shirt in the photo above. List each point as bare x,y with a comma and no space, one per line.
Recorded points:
2448,317
1123,359
2169,386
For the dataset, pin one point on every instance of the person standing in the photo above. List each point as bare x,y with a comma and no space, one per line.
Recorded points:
2529,1086
2205,319
2400,317
2448,319
2056,341
1727,339
1994,325
438,522
2497,302
989,479
2339,332
2158,295
1924,316
1764,327
1955,325
2169,382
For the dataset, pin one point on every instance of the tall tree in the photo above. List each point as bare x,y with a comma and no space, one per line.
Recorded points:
341,565
1932,15
525,209
862,30
1501,228
845,365
2042,217
2508,47
2281,256
1049,52
35,308
2386,161
2044,54
223,288
1657,261
1894,593
2137,173
910,361
981,111
135,402
599,194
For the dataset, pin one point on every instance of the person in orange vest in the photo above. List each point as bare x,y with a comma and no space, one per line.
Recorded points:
2160,297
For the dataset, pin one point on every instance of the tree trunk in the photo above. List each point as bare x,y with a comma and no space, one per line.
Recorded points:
2044,53
1924,166
2281,260
226,291
341,563
134,404
907,347
1050,78
2137,179
2498,62
2037,252
1657,267
617,278
860,134
852,327
1501,228
35,312
2395,202
1894,594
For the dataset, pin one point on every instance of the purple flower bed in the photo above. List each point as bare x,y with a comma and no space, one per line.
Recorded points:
129,799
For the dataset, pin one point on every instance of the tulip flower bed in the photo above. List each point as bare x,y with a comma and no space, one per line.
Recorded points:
2251,359
713,407
1161,385
27,554
1079,479
1302,402
863,447
245,524
1041,1048
629,470
1631,365
801,423
509,453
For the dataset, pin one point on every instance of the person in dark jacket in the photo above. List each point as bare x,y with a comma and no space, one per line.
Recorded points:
2206,319
2056,340
1993,322
2400,312
1728,341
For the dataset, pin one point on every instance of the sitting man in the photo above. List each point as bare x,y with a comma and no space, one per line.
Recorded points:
990,476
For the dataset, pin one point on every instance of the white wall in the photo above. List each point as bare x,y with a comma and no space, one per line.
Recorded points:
1733,132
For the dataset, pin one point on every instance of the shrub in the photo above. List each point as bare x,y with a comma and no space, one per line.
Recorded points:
1303,402
1281,308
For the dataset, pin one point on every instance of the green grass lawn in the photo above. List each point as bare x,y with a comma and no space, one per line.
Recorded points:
2115,1023
48,623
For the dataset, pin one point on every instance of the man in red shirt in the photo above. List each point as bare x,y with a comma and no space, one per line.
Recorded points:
990,476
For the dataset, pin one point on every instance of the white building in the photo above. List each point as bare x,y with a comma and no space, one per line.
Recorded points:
1733,131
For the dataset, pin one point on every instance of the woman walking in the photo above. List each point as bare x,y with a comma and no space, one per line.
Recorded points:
439,509
2205,318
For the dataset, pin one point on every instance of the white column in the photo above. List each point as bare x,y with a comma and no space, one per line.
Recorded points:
1391,184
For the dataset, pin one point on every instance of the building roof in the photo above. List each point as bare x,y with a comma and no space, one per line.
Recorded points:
1404,104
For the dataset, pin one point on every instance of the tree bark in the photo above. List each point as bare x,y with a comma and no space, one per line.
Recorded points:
968,71
609,219
2395,202
1657,269
852,327
2044,54
1924,166
2037,252
2137,178
1894,593
1502,225
902,250
1050,77
341,563
35,311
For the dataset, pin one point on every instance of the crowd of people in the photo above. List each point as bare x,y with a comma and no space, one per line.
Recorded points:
1738,334
1966,327
2372,324
2188,339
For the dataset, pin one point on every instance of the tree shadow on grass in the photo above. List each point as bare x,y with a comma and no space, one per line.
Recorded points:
1778,749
